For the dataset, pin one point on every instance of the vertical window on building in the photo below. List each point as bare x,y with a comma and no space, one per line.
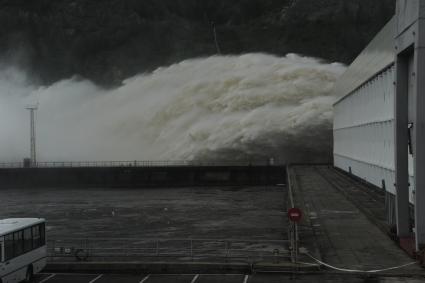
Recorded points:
27,240
18,243
8,247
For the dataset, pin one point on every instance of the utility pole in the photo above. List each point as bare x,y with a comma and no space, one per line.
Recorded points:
32,110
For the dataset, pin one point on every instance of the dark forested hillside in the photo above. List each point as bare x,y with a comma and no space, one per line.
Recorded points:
108,40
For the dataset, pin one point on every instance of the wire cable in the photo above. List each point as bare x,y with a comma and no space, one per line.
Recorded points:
356,270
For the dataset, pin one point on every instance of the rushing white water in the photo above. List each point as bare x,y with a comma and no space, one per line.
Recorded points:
223,107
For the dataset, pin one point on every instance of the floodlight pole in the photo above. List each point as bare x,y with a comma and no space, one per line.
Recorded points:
32,110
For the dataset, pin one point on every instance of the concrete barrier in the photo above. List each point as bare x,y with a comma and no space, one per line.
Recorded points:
138,177
150,268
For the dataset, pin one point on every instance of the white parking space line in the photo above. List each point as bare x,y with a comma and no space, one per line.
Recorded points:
195,278
245,280
48,278
98,277
144,279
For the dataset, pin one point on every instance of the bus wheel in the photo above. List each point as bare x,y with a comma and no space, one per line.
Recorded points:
28,276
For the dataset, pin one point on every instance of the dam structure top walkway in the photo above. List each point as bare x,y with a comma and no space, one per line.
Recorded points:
344,222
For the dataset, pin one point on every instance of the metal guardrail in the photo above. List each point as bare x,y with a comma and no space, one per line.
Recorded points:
138,163
131,249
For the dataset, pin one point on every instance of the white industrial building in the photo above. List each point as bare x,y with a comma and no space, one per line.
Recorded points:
379,125
364,118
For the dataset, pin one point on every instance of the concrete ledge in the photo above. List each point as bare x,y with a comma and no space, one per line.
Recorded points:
286,267
177,267
147,267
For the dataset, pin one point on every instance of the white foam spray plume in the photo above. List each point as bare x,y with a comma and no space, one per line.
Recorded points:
224,108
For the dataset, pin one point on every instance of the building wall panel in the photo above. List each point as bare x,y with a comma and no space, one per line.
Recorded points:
364,132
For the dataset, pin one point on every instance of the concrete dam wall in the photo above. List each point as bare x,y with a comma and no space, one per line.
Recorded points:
138,177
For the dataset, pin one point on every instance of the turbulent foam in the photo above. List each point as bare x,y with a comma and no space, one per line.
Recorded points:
223,107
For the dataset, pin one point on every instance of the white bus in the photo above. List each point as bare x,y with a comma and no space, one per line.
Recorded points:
23,250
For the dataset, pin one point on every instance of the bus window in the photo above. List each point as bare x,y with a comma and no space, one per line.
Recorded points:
18,243
27,240
8,247
42,234
35,236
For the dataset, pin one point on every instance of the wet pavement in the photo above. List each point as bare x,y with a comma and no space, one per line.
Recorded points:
343,234
198,212
334,229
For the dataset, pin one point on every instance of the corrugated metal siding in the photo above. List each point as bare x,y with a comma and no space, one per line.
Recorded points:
364,131
371,102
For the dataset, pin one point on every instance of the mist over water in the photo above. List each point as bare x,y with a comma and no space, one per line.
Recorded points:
253,106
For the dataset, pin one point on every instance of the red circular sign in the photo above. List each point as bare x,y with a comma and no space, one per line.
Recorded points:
295,214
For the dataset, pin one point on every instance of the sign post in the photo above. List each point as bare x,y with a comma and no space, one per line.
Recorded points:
295,215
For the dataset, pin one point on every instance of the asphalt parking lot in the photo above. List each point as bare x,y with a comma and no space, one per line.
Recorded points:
218,278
